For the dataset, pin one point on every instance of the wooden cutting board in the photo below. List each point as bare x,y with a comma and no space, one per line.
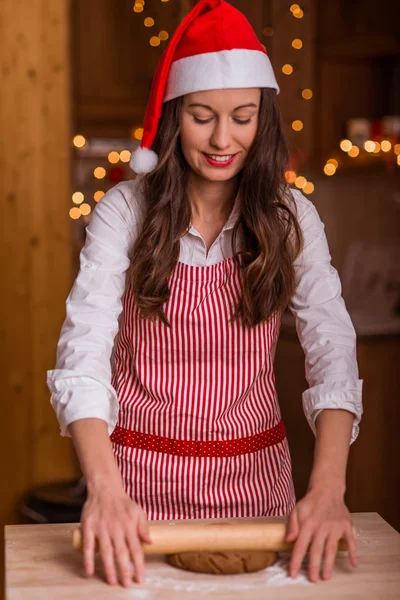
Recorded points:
41,564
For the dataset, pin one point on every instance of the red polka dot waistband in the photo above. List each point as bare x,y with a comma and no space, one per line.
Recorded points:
222,448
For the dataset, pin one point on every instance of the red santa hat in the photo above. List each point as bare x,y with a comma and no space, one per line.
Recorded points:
214,47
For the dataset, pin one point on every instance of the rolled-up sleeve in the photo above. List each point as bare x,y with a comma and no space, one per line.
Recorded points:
80,384
324,327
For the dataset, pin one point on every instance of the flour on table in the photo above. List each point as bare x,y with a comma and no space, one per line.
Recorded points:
140,592
161,575
364,537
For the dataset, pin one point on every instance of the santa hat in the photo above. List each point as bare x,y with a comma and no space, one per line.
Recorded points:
214,47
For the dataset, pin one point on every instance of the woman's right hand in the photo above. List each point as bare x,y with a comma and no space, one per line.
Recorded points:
118,524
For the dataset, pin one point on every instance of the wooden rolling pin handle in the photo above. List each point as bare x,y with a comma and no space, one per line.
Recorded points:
171,538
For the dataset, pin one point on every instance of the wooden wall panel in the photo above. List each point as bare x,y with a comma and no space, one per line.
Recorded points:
35,242
114,63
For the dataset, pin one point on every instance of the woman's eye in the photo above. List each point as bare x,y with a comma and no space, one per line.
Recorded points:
202,121
238,121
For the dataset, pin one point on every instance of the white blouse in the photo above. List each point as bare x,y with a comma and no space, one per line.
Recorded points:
80,384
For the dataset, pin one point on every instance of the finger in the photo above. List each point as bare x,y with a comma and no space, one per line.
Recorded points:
143,529
293,528
88,550
330,556
352,548
123,560
315,556
107,557
136,552
299,550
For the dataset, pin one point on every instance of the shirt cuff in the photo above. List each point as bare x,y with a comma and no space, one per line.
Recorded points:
83,397
346,395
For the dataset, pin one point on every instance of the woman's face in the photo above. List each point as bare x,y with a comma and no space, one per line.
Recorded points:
218,128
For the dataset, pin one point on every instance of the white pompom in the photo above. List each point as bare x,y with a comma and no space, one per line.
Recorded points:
143,160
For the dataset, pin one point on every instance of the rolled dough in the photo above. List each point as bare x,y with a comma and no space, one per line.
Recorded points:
225,563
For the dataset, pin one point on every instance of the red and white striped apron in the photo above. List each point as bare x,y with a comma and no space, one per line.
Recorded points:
199,432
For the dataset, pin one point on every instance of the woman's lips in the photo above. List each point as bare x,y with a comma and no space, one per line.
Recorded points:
219,163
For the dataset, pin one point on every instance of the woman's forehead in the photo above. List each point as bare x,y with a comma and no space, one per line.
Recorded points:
226,98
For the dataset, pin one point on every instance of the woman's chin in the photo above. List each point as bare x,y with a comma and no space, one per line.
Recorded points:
217,174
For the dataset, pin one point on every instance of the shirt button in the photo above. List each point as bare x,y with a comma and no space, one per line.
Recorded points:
88,265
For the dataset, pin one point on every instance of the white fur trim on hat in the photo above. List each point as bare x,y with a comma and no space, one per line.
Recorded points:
143,160
226,69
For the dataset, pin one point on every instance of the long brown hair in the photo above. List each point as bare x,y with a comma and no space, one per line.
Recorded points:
268,217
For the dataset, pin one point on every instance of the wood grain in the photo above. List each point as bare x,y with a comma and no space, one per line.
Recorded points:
40,563
35,199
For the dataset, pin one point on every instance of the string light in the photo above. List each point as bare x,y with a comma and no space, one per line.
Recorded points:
75,213
113,157
346,145
331,166
332,161
308,188
369,146
329,169
79,141
77,197
354,151
300,182
98,195
138,133
85,208
99,172
125,156
377,147
290,176
297,125
287,69
155,40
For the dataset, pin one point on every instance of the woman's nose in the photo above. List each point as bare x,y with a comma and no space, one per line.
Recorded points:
221,137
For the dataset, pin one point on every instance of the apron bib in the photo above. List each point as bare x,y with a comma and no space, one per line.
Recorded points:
199,431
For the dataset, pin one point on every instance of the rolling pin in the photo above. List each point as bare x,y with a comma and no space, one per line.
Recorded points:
172,538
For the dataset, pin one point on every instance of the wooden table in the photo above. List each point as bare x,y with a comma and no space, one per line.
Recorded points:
40,564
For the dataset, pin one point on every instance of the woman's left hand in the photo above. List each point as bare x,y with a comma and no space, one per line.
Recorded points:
318,521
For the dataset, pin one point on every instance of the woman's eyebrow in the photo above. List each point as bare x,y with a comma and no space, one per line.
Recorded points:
252,105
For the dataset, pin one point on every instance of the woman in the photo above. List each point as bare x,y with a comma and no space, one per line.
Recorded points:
184,276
